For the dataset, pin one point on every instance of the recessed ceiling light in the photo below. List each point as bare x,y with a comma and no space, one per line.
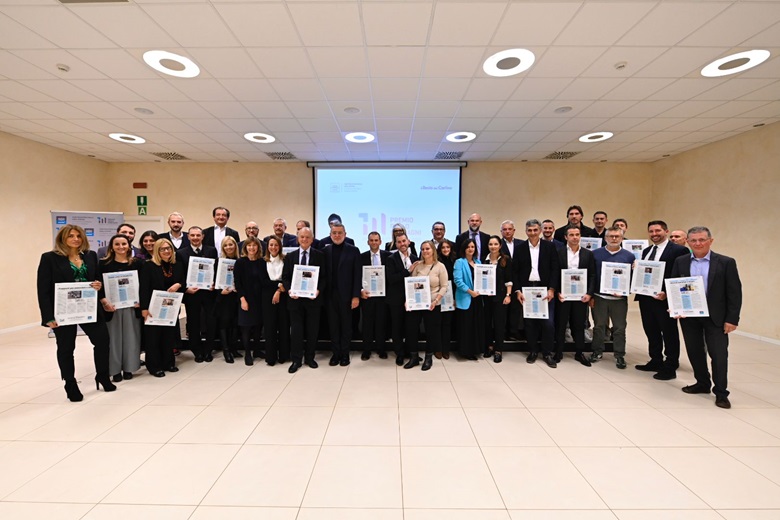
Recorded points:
359,137
508,62
127,138
171,64
142,110
563,109
63,67
735,63
352,110
595,137
461,137
257,137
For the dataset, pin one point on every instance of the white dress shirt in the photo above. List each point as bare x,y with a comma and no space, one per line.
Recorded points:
534,276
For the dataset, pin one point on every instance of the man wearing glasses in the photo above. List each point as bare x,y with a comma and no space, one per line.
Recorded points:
280,228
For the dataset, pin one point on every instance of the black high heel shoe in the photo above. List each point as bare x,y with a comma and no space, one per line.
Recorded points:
108,386
73,392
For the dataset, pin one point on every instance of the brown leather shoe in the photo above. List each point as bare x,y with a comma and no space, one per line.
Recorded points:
437,354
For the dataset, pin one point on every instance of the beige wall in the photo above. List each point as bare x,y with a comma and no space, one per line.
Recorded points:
36,179
731,186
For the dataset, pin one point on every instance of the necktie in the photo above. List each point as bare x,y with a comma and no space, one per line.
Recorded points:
653,252
197,251
304,262
375,261
407,262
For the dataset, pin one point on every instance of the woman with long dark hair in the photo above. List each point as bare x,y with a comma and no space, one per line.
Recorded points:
249,274
276,319
468,302
147,240
446,255
497,307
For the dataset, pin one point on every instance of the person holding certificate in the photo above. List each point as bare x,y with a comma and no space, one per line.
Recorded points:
574,293
72,261
249,275
469,304
497,307
276,320
446,255
437,276
124,326
374,308
161,273
399,266
226,306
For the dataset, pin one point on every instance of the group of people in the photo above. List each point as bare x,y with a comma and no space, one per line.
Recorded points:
261,304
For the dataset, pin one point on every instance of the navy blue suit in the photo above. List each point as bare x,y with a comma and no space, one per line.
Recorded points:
374,310
304,312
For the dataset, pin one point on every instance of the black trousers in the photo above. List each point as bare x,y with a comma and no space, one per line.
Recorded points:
160,342
304,315
571,314
66,345
495,324
374,316
397,329
200,316
663,337
276,321
703,337
340,325
541,329
471,328
446,330
432,321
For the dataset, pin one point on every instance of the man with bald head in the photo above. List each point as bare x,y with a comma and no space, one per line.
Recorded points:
252,230
280,228
679,237
480,238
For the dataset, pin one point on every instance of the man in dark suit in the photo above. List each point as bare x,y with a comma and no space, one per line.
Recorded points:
535,264
574,215
600,219
572,313
710,335
374,308
199,302
480,239
177,237
304,312
548,232
315,243
280,228
399,266
212,236
661,330
333,219
346,280
252,230
510,244
437,231
127,230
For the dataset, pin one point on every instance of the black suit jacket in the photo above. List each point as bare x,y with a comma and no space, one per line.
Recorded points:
365,258
484,238
321,243
183,256
348,274
560,233
671,252
395,272
548,265
505,249
390,248
54,268
586,262
185,240
724,288
208,235
152,279
288,240
316,257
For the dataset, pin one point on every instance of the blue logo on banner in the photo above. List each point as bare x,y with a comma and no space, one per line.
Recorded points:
62,220
90,232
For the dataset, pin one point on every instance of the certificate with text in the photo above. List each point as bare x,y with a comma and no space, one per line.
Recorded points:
615,278
686,297
485,279
648,277
304,281
574,284
374,280
418,293
200,272
636,247
121,288
164,308
448,300
536,306
225,274
590,243
75,303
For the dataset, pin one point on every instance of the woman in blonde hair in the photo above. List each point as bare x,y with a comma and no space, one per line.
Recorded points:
226,307
72,261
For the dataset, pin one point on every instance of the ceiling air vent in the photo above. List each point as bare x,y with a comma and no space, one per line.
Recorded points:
561,156
170,156
448,155
281,156
93,1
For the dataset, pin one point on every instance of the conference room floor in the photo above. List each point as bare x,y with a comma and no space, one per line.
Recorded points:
466,440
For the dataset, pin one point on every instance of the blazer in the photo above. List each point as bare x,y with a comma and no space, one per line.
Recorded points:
503,275
671,252
321,243
316,257
183,257
185,240
463,281
724,288
560,233
395,272
153,279
55,268
288,240
208,235
389,248
548,265
505,249
348,273
251,279
586,262
483,237
365,258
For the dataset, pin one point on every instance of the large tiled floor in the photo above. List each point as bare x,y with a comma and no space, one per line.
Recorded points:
465,441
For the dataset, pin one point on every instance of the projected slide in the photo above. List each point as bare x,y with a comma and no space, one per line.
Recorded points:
375,199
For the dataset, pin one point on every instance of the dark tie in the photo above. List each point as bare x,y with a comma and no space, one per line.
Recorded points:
197,251
653,252
304,262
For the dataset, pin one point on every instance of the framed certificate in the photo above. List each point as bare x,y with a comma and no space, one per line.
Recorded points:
636,247
121,288
418,293
686,297
164,308
304,281
536,306
574,284
374,280
485,279
75,303
200,272
615,278
225,274
648,277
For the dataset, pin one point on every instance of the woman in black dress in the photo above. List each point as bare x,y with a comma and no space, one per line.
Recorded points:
249,275
447,257
275,317
72,261
226,307
497,307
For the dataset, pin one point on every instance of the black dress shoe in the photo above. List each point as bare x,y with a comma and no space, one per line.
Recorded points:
208,358
127,375
294,367
650,367
172,368
228,356
471,358
344,361
334,360
159,373
557,358
312,364
488,352
532,357
382,354
259,354
270,363
428,362
399,360
550,360
198,358
117,378
579,356
665,375
696,389
723,402
497,357
248,360
412,362
366,355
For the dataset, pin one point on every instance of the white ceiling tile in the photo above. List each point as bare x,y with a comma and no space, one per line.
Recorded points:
14,35
356,125
204,90
394,109
309,109
734,109
48,60
543,124
540,88
171,125
564,62
343,25
465,24
133,126
106,89
192,25
207,125
226,109
694,125
61,125
191,138
473,124
428,108
283,62
61,110
443,89
250,89
319,125
302,147
737,23
528,137
533,23
766,38
226,63
632,58
282,125
635,89
395,62
431,124
522,109
584,125
298,89
61,90
620,124
114,63
479,108
260,25
485,89
59,25
393,137
730,124
679,62
263,109
670,22
103,126
393,23
244,125
328,141
606,108
186,110
589,88
657,124
14,67
477,146
344,109
495,137
339,62
158,90
648,108
396,89
453,62
346,88
767,111
602,23
126,25
736,88
686,88
19,92
293,137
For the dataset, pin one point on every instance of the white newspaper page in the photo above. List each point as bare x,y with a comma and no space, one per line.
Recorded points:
636,247
121,289
304,281
648,277
590,243
615,278
448,301
75,303
164,308
288,250
574,284
418,293
200,273
686,297
485,279
536,306
225,274
374,280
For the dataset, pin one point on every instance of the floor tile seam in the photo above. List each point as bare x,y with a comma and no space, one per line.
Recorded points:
48,467
745,464
662,411
659,410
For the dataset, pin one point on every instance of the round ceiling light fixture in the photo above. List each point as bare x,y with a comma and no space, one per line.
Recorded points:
461,137
127,138
359,137
508,62
257,137
595,137
171,64
735,63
